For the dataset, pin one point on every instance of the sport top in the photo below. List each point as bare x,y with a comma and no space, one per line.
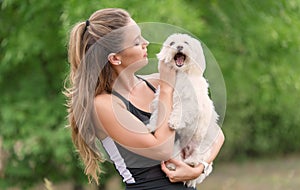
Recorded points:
138,172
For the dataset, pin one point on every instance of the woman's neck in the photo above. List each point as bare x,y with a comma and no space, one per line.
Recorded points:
124,83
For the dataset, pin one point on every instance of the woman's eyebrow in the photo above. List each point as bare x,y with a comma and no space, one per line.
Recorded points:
137,37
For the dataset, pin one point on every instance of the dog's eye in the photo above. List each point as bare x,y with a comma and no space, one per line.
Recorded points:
172,43
186,43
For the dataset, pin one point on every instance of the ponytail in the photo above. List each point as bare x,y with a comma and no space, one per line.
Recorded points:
78,90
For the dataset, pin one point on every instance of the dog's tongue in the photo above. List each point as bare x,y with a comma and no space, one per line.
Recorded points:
179,61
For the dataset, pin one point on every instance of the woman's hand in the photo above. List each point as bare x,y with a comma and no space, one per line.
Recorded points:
167,76
183,172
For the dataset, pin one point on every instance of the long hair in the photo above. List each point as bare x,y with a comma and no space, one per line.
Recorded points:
89,76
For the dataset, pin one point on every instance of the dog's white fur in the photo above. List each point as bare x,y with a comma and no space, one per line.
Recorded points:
193,111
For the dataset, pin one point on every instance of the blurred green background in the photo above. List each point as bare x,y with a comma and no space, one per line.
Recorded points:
256,44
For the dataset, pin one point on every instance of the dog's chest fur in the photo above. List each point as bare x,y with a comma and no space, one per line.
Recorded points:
189,101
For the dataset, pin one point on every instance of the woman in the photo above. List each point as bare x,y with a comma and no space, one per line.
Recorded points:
108,102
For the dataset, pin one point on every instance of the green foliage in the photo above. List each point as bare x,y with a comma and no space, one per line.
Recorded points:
32,115
256,44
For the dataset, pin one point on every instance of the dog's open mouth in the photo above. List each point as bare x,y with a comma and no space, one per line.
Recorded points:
179,59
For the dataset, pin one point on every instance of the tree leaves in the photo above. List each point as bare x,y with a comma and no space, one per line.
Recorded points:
256,44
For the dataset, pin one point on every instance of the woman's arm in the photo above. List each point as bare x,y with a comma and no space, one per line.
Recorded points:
128,131
185,172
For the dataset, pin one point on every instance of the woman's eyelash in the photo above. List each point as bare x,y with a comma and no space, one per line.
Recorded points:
137,43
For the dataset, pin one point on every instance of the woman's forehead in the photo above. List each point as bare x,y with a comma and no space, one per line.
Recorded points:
131,32
121,38
132,29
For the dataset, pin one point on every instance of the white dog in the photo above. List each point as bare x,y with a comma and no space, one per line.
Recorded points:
193,111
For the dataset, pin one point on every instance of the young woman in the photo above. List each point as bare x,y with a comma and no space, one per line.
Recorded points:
109,103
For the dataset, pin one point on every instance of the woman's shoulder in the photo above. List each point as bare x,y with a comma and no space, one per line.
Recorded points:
106,100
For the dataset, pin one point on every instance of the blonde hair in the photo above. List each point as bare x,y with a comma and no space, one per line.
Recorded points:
81,90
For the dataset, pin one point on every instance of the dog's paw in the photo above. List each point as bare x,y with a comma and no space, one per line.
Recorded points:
176,123
172,126
173,123
191,183
171,166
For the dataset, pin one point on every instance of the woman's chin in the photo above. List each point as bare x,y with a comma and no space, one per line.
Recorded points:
141,63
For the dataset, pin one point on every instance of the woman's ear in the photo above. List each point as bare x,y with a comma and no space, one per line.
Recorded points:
114,59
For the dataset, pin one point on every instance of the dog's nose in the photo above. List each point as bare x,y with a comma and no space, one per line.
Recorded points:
179,48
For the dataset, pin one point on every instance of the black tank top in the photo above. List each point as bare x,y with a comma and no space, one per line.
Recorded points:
147,177
140,114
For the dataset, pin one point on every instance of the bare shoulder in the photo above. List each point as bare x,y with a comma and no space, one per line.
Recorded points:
105,101
152,78
102,99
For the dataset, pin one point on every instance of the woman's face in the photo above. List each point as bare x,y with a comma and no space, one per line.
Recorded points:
135,51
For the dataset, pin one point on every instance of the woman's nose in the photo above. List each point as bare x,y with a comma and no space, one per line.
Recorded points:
145,42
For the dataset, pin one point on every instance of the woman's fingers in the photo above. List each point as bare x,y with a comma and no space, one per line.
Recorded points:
169,173
167,74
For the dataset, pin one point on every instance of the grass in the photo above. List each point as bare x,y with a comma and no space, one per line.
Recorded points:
269,174
257,174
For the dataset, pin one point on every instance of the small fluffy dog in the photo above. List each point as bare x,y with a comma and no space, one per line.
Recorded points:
193,111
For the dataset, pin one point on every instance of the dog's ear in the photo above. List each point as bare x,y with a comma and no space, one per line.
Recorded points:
200,55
